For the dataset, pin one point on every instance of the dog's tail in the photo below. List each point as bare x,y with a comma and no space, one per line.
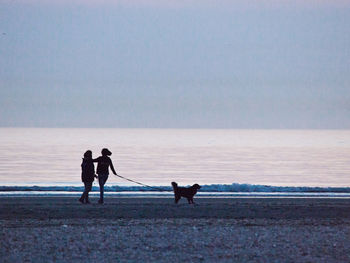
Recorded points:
174,185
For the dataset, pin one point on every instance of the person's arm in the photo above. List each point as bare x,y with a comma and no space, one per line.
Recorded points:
112,167
96,160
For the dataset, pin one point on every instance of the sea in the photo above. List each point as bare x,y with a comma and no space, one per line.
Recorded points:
225,162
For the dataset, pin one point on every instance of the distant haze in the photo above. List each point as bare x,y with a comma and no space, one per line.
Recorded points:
175,64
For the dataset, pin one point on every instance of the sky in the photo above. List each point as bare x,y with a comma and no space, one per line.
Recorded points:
175,64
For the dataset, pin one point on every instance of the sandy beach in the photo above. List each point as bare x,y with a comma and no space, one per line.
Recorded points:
60,229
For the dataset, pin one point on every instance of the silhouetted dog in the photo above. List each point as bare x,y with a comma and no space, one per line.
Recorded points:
187,192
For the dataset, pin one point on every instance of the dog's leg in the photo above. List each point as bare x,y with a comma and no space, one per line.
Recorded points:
177,198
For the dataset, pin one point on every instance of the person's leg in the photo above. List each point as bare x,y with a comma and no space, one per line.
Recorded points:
88,187
101,182
83,196
81,199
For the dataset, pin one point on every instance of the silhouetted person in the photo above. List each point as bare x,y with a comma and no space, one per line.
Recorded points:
103,164
87,176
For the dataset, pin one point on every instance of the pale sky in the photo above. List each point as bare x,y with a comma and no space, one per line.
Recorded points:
175,64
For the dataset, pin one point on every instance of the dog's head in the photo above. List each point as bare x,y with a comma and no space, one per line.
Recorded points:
196,186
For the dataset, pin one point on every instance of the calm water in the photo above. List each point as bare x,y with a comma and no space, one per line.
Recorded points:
159,156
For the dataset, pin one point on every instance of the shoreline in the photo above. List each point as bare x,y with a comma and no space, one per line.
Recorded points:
154,194
164,207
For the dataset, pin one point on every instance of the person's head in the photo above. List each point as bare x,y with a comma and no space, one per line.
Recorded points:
88,154
106,152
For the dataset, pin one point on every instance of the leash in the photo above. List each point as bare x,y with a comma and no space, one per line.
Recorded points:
155,188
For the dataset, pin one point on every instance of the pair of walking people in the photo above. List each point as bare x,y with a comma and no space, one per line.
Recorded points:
104,162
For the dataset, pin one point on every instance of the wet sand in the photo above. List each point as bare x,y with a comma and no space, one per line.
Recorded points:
60,229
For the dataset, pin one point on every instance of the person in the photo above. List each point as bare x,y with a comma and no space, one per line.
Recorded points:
87,176
103,164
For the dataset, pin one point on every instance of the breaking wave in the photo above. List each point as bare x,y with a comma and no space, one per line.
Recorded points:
213,188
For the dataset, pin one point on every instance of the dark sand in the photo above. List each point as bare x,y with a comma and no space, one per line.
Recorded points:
60,229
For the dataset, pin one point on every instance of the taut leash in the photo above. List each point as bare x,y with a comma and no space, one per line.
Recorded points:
156,188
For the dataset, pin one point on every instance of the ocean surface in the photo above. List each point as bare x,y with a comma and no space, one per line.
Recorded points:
44,160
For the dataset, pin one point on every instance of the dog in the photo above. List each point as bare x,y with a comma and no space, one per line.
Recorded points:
187,192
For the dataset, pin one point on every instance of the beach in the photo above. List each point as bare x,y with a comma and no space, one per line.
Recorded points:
60,229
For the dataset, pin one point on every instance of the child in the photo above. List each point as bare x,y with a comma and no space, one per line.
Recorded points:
87,176
103,163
